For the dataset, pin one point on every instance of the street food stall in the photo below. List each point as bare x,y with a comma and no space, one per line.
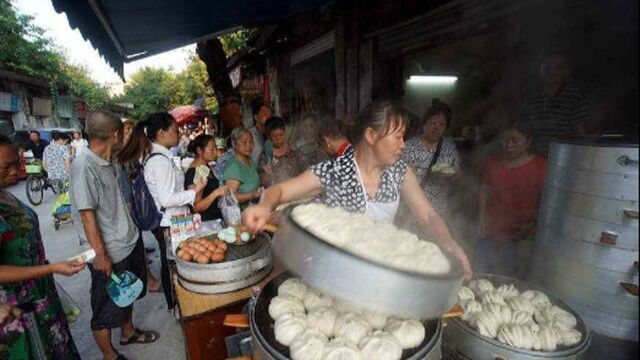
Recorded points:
487,317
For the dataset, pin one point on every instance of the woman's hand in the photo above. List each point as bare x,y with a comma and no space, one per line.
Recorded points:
256,216
8,313
68,268
220,191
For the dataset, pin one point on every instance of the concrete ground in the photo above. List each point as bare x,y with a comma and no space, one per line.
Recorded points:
150,313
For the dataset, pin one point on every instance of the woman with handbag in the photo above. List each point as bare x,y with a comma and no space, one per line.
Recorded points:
150,142
432,151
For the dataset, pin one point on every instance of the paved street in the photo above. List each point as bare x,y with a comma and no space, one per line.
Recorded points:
149,313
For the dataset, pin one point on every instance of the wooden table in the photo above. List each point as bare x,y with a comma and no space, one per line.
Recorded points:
202,316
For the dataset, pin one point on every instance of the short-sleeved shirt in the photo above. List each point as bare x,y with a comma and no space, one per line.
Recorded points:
213,212
341,185
514,195
36,149
551,117
221,164
79,145
419,158
247,175
55,156
94,186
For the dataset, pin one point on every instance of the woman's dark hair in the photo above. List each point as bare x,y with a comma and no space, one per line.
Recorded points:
56,135
199,143
143,134
333,130
522,128
384,117
438,108
256,106
273,123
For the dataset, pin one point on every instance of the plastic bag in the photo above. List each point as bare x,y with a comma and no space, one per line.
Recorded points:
71,309
230,209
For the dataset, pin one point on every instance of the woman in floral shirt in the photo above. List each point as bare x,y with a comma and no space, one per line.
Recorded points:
41,330
419,153
279,161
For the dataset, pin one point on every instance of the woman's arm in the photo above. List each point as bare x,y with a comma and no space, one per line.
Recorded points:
10,273
305,185
160,170
234,186
203,203
430,220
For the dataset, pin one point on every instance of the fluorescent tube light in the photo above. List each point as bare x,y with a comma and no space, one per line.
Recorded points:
433,80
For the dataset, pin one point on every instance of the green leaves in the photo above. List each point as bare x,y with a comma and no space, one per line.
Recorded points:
236,41
155,89
25,49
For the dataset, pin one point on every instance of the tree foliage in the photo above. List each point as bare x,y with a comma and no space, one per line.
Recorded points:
236,41
81,85
156,89
25,49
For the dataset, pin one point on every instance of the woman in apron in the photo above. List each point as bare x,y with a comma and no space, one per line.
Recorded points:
370,178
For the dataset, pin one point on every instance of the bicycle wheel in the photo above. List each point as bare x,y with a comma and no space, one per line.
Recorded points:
35,190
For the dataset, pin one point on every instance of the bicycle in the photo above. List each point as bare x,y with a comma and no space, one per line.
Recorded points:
37,182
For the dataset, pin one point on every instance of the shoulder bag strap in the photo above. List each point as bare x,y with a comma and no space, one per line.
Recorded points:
434,160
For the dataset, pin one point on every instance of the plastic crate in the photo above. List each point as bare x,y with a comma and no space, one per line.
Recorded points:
34,169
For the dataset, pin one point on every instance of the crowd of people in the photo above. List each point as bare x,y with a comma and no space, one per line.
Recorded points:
368,166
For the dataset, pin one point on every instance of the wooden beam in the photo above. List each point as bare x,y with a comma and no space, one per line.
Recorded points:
365,74
340,70
352,68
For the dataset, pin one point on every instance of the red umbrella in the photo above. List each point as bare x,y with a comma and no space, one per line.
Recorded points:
187,114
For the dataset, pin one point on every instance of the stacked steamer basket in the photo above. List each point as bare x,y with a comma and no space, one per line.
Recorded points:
243,266
587,239
265,346
463,335
353,279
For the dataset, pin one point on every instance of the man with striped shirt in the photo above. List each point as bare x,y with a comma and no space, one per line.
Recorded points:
559,110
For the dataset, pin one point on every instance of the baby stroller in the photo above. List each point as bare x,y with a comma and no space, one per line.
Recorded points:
61,210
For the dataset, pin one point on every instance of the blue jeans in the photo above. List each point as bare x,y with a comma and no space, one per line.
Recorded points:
498,257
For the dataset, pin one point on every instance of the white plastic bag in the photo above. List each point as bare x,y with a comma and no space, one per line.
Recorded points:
230,209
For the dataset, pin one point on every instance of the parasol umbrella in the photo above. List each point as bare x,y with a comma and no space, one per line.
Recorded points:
188,113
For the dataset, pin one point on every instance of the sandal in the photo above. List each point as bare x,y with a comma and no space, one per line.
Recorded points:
120,357
140,337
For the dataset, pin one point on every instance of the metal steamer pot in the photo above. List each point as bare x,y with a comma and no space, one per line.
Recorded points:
362,282
244,265
471,344
265,346
586,250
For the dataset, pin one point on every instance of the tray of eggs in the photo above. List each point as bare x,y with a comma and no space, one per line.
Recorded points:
202,251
